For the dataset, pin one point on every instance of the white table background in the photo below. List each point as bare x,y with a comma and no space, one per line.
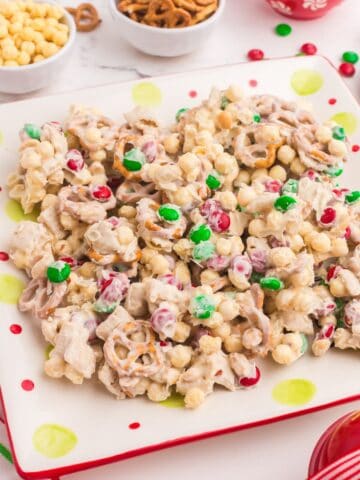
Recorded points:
280,451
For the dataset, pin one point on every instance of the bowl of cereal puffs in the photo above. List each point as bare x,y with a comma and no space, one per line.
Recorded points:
166,28
36,40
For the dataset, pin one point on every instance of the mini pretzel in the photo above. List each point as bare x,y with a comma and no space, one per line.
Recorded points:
86,17
158,11
132,192
178,18
133,364
204,13
41,297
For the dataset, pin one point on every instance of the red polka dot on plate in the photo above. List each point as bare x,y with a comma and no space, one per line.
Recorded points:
27,385
253,83
134,425
193,93
15,329
332,101
4,257
355,148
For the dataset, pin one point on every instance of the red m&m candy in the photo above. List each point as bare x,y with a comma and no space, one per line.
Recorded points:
255,54
347,69
308,48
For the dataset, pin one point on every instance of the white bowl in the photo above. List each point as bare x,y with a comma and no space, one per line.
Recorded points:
28,78
165,42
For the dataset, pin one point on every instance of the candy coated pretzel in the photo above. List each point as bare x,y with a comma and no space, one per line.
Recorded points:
132,364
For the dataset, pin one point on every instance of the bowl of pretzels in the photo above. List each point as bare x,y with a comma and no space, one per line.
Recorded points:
166,28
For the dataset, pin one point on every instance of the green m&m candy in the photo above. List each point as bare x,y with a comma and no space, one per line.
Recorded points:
352,197
103,307
134,160
291,186
283,29
271,283
202,306
203,251
169,212
33,131
224,102
285,203
350,57
338,133
180,113
213,181
304,343
200,233
257,118
335,171
58,272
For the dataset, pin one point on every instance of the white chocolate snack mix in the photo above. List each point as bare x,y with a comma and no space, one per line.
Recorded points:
173,258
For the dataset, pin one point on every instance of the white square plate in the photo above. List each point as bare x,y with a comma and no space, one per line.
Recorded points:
76,427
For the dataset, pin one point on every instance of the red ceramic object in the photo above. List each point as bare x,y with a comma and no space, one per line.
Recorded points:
339,442
303,9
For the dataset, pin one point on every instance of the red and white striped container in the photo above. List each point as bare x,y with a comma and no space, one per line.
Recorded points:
336,455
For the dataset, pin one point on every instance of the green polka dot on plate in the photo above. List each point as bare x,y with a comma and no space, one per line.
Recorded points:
294,392
146,94
14,211
306,82
54,441
174,401
347,120
48,349
10,288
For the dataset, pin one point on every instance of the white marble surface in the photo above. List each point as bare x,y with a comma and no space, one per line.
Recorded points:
279,451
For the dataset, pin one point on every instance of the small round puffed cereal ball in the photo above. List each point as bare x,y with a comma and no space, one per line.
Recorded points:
323,134
38,58
246,195
182,273
182,332
125,235
209,345
10,52
157,392
180,356
267,134
234,93
225,163
251,338
93,135
208,276
281,256
147,254
227,200
320,242
171,143
278,173
229,309
320,346
233,343
337,148
158,264
296,242
224,120
59,38
259,173
23,58
182,196
222,330
194,398
283,354
215,320
28,47
297,167
127,211
223,246
337,288
256,227
339,247
243,177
